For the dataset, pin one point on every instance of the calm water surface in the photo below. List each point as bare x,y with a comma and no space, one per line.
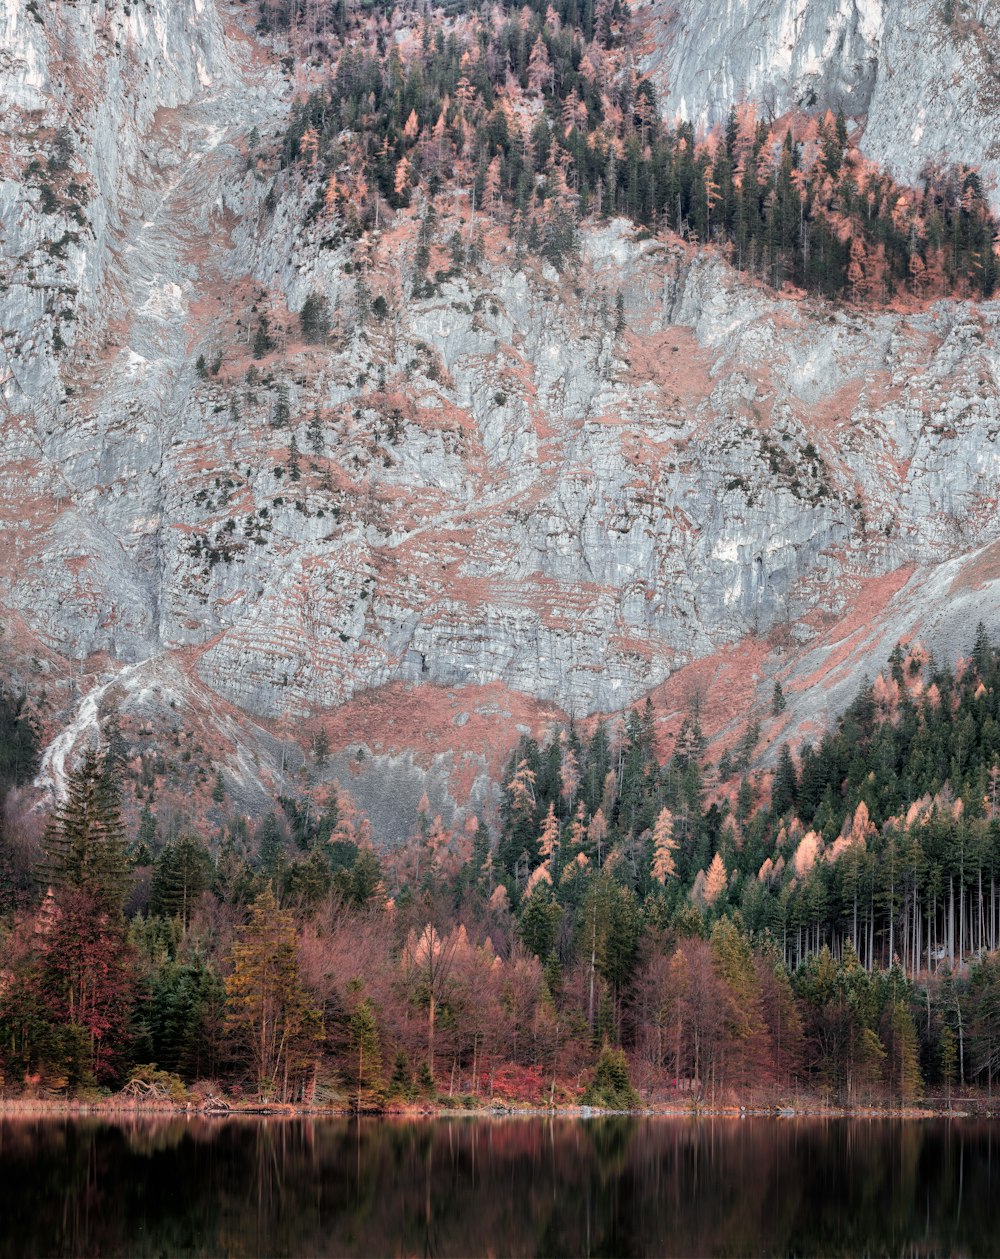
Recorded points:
500,1187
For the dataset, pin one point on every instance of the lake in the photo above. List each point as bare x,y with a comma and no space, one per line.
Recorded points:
612,1186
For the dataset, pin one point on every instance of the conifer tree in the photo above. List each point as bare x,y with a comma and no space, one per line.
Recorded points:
785,789
367,1051
85,840
183,871
664,847
267,1006
716,881
540,918
87,962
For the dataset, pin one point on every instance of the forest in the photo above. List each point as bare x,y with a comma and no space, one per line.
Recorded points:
538,117
633,923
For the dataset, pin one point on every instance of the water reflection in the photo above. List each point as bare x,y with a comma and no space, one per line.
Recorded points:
482,1187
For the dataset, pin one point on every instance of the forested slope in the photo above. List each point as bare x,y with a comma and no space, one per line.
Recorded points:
826,929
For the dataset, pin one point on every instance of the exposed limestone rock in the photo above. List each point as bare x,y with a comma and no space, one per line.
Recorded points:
497,488
923,88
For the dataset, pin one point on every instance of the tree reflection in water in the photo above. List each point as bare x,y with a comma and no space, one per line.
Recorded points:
615,1186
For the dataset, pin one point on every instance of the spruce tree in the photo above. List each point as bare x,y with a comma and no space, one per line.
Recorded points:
367,1053
85,840
785,790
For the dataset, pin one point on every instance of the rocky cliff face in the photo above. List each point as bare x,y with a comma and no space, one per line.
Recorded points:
493,487
920,76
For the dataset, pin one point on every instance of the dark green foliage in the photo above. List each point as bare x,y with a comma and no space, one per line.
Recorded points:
360,882
786,786
294,461
183,871
263,342
314,434
271,846
281,413
365,1056
85,841
401,1081
62,150
611,1088
540,918
307,881
314,318
186,1003
18,741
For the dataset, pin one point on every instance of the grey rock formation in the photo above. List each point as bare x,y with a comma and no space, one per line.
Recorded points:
921,76
497,487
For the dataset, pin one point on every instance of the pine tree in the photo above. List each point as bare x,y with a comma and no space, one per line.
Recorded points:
85,841
401,1081
263,342
367,1052
314,318
948,1058
619,313
271,852
86,959
18,739
294,460
982,652
904,1053
282,411
314,433
183,871
611,1087
784,792
540,918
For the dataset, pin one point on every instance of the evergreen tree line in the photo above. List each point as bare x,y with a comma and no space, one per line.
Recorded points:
541,117
886,835
829,927
19,744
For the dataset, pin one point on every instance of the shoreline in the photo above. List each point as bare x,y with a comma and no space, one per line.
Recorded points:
129,1108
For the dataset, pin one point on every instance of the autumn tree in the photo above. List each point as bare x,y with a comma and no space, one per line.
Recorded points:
664,846
268,1009
716,881
427,962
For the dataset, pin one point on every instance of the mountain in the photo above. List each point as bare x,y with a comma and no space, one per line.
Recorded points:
921,76
271,465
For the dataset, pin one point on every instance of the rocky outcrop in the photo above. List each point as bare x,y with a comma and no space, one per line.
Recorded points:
497,485
921,76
